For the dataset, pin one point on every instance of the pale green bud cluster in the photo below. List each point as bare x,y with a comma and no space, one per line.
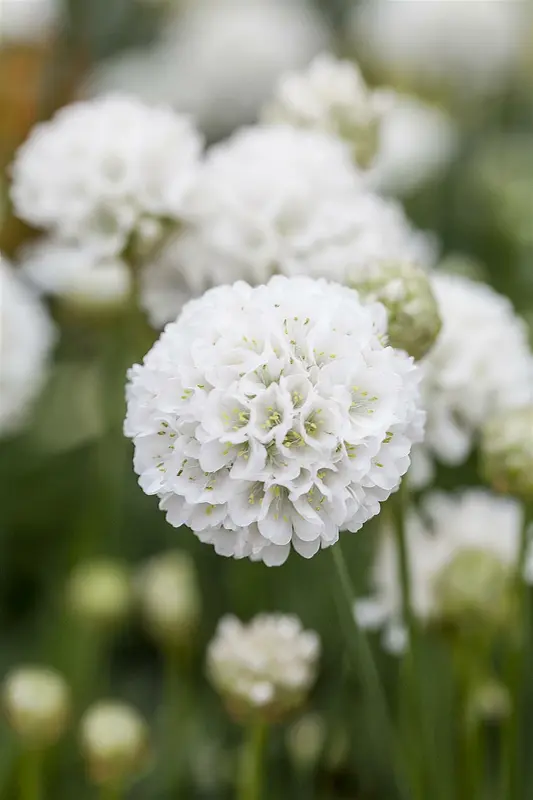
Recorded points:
507,452
405,290
99,593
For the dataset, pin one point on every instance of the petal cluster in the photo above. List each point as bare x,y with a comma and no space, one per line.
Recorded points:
265,667
26,338
480,364
273,417
94,172
472,528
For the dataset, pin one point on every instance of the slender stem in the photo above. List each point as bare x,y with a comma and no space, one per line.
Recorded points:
113,791
512,745
250,777
365,665
31,775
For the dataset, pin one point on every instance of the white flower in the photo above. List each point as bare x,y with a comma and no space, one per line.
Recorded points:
471,46
26,338
455,545
28,20
416,142
265,667
273,417
219,59
37,704
76,273
277,200
481,363
97,170
114,741
329,96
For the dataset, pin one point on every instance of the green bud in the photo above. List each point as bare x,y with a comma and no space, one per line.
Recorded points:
99,593
405,290
507,452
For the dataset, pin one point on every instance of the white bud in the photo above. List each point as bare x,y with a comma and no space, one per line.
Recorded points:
305,740
507,452
37,704
114,741
169,597
99,593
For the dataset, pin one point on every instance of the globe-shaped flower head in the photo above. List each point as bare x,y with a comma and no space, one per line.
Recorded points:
272,417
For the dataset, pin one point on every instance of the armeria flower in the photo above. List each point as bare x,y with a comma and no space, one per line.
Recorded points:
330,96
264,668
273,417
26,338
232,52
277,200
76,274
507,450
462,551
416,143
472,46
481,363
96,171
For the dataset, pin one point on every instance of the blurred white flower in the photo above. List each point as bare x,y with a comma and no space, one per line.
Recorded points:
28,20
462,550
26,338
96,171
507,451
219,59
329,96
416,142
76,273
114,741
264,668
278,200
273,417
480,363
37,705
472,46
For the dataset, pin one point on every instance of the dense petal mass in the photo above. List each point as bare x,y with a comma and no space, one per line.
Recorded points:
98,170
26,338
273,417
265,667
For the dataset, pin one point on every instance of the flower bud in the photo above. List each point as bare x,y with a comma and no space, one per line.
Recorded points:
305,740
114,742
507,452
405,291
37,705
99,593
489,702
476,587
169,597
264,668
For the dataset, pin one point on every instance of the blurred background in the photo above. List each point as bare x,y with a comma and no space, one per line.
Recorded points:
68,494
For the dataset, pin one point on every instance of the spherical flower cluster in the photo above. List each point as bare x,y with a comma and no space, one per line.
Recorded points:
273,417
76,274
507,449
277,200
29,22
330,96
26,337
416,143
462,551
470,46
232,52
169,597
94,172
114,740
37,704
405,290
480,363
264,668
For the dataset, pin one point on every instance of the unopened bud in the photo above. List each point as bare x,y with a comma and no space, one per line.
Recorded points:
405,290
99,593
507,452
37,705
489,702
169,597
114,741
305,740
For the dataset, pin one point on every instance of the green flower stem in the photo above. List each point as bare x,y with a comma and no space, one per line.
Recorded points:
513,776
172,720
114,791
365,665
250,777
30,774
